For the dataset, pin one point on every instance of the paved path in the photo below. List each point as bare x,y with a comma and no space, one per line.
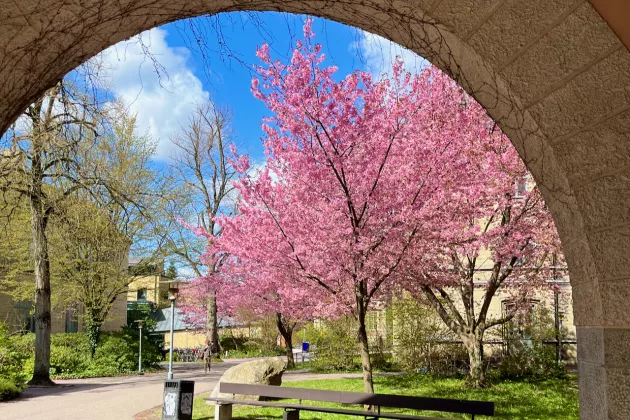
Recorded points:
121,397
104,398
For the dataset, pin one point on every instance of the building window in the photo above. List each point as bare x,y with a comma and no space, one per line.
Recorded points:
72,320
25,319
519,326
371,322
142,294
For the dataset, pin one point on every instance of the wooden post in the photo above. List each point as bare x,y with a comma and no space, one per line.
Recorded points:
223,412
291,415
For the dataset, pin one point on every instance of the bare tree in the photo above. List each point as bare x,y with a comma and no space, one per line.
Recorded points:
201,174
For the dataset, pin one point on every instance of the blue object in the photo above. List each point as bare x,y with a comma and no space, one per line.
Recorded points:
305,346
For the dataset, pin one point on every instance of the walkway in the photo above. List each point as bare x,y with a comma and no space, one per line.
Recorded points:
121,397
105,398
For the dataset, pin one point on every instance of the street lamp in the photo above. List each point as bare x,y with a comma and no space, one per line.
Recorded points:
140,322
172,296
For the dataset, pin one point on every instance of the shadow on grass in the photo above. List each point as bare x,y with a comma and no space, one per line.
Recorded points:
552,399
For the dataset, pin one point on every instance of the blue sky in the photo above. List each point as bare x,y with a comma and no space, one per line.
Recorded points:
163,100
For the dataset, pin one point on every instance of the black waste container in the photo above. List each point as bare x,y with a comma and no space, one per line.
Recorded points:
178,399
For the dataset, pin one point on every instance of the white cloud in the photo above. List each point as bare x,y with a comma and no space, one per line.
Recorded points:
162,97
379,54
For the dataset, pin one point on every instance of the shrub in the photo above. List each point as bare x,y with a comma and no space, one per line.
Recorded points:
532,362
256,348
530,359
69,353
8,389
421,340
230,342
12,378
65,359
119,350
335,344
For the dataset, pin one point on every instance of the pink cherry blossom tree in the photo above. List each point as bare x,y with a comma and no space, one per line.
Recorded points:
372,185
289,302
357,173
505,241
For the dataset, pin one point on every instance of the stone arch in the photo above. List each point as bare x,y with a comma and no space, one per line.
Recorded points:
554,76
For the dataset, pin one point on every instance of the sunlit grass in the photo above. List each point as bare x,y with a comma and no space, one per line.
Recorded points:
552,399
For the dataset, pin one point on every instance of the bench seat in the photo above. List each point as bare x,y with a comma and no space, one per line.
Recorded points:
375,402
320,409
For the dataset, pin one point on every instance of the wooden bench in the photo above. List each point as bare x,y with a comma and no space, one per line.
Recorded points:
223,409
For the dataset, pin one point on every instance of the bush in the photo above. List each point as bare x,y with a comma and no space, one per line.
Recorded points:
230,342
255,348
70,354
12,377
420,340
263,339
530,359
8,389
121,349
335,345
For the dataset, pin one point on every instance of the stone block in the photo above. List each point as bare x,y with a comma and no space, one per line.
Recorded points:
590,345
616,348
519,23
587,304
594,152
587,99
592,385
615,298
581,38
610,249
267,371
601,201
617,393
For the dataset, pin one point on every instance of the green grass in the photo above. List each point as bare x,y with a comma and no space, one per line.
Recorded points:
551,399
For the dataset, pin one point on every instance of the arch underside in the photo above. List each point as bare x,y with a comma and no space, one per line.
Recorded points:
553,74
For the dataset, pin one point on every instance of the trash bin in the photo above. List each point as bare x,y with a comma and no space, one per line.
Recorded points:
305,346
178,399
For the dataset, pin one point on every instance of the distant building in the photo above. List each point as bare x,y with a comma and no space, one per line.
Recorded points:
189,335
19,315
150,283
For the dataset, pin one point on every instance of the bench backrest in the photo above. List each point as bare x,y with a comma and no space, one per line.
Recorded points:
376,400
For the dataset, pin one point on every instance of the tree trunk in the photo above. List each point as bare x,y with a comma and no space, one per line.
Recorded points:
212,327
41,372
477,372
286,331
93,331
364,348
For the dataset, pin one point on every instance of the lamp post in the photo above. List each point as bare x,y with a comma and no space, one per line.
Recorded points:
140,321
172,296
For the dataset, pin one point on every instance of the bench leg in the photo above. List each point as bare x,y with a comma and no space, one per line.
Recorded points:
223,412
291,415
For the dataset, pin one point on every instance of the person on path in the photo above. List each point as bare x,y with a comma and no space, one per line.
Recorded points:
206,352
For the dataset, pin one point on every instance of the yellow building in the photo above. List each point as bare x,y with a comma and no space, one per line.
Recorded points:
18,315
150,283
188,335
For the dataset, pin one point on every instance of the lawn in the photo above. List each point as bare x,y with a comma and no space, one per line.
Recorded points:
552,399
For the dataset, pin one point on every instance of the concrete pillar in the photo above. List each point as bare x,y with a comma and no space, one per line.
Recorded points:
604,372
